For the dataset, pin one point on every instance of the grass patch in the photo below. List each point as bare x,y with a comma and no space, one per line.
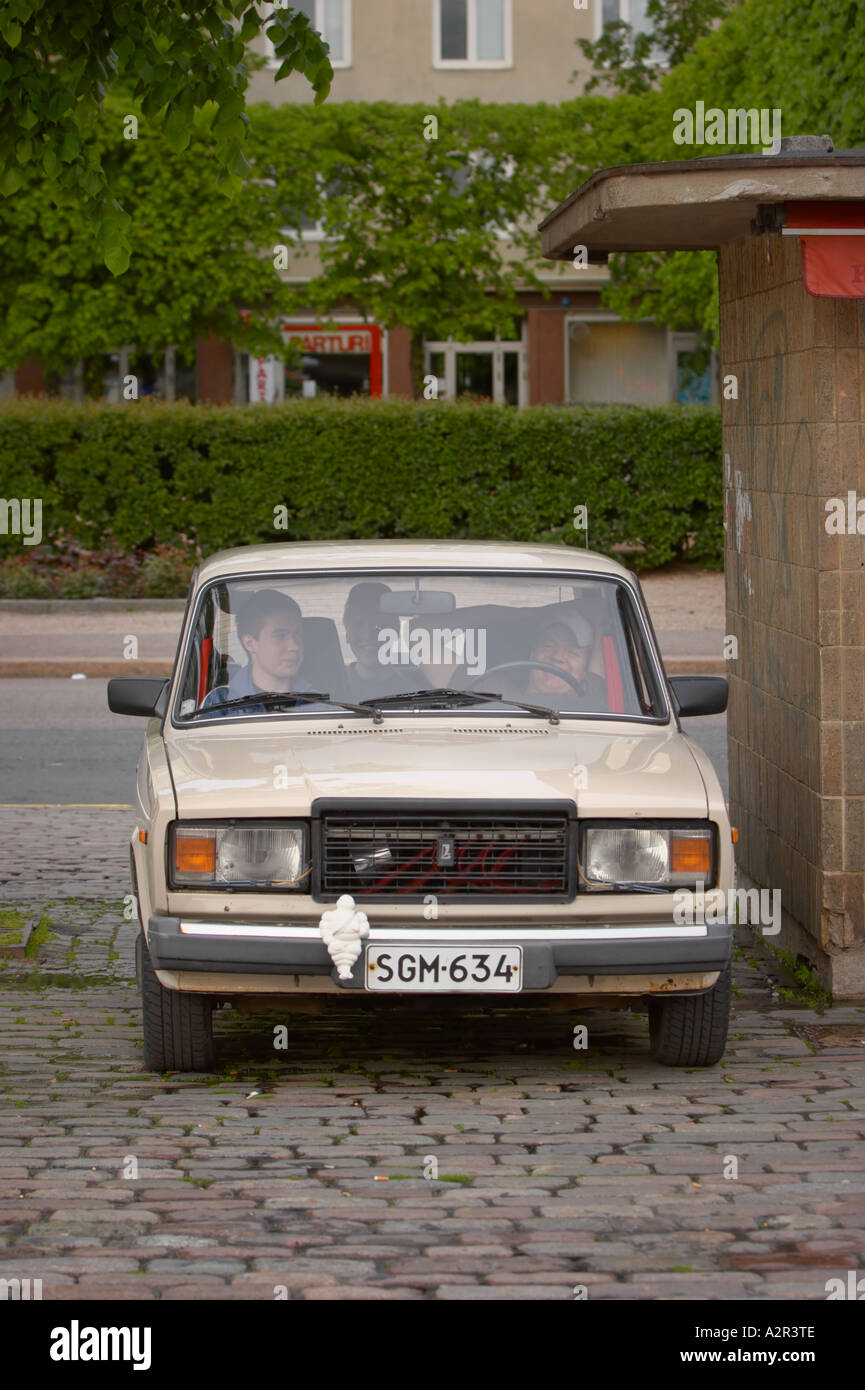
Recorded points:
55,979
13,924
808,989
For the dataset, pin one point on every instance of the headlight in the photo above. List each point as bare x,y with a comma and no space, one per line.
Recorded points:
252,855
678,856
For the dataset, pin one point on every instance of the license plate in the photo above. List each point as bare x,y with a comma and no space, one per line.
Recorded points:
445,969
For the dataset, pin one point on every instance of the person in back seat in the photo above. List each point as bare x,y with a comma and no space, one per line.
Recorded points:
369,675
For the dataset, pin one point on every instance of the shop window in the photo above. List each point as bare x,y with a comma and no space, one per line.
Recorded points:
343,359
329,374
489,370
608,362
694,370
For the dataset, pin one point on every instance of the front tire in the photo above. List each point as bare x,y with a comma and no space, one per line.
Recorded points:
691,1031
178,1028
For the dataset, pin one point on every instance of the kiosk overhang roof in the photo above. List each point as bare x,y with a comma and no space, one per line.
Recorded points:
692,204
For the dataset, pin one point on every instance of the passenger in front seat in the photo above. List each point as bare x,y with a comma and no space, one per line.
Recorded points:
270,630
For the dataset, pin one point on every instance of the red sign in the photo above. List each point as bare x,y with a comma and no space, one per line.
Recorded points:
344,341
833,254
343,338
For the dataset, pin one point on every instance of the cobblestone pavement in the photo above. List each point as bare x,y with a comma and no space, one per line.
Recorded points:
301,1173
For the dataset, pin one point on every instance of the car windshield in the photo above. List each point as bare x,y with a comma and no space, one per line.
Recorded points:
367,645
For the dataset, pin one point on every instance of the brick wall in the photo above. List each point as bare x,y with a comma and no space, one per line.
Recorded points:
546,333
30,379
214,371
399,362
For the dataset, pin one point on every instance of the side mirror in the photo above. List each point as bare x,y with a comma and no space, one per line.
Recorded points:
700,694
142,695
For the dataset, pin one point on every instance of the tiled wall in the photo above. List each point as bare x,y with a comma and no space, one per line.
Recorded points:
796,597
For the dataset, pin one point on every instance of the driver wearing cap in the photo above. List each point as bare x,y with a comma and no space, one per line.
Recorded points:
567,643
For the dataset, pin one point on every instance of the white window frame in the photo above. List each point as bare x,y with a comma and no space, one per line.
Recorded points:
507,231
294,234
624,15
471,63
497,347
317,232
318,24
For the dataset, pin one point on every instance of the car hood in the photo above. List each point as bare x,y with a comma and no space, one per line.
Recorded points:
610,770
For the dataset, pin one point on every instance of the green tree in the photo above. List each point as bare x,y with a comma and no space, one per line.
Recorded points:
200,258
168,57
631,60
679,290
431,215
804,57
437,235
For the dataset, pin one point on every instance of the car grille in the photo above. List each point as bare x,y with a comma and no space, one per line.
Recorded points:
475,855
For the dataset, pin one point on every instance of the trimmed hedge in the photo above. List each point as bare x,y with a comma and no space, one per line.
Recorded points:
143,473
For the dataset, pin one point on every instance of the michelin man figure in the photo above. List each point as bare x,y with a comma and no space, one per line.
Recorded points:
342,929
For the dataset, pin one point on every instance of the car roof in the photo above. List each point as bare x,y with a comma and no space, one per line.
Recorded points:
378,555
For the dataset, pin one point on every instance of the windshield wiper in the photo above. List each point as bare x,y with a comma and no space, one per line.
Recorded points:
271,699
444,695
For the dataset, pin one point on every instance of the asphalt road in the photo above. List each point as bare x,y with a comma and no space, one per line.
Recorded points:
61,745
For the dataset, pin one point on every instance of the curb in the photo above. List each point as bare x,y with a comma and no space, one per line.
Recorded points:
107,667
89,605
92,666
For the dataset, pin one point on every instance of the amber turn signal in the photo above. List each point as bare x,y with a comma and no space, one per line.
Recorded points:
195,854
690,854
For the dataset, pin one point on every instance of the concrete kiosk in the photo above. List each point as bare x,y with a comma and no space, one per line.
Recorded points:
790,232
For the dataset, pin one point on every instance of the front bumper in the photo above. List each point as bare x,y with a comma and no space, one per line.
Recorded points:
550,954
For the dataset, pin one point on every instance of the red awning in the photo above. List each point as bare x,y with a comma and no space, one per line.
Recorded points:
834,267
833,247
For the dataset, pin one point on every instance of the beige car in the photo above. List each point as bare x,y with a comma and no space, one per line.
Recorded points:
426,767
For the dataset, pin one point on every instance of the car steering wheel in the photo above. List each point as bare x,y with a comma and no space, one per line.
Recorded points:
536,665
